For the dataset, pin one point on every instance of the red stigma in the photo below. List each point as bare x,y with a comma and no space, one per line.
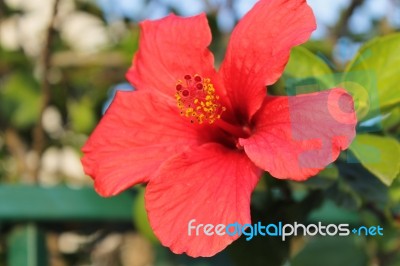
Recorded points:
185,93
197,100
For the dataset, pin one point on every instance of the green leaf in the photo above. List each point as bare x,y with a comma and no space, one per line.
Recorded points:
360,98
392,119
306,72
394,190
332,251
376,68
303,64
20,100
361,185
379,155
140,217
324,179
82,116
330,212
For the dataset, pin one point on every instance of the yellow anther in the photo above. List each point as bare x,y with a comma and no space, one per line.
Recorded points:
197,100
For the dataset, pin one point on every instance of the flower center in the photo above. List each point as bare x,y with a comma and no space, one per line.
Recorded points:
196,99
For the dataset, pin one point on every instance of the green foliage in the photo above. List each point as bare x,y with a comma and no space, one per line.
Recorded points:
371,78
376,69
324,179
20,100
360,98
391,121
82,116
332,251
330,212
304,65
362,186
140,216
380,155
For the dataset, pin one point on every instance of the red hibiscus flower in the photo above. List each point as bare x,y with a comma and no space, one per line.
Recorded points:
200,138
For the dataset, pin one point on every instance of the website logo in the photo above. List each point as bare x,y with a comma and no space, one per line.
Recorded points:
280,230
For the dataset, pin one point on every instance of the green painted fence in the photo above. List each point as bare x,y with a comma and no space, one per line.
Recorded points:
25,206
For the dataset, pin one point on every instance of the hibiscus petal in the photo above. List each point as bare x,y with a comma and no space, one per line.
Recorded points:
169,49
210,184
296,137
259,49
139,131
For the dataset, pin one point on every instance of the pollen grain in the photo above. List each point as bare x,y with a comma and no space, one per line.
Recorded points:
197,100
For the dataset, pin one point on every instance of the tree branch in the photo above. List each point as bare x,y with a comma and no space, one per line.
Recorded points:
341,27
38,133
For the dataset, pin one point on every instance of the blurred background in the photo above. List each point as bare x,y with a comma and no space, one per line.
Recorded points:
61,62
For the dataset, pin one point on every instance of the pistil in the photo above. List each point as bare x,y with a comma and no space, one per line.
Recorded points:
236,131
197,100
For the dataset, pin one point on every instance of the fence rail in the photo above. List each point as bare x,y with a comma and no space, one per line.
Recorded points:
23,207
